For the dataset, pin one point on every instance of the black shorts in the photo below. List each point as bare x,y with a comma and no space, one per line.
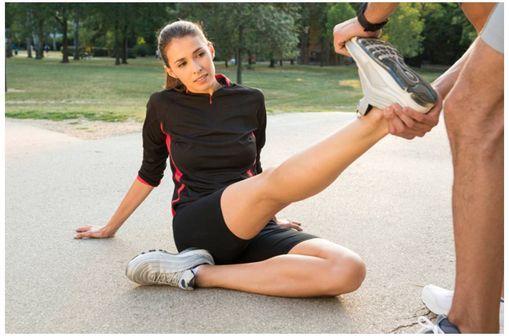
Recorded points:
201,225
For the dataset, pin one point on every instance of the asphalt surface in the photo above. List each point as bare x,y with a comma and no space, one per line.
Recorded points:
392,206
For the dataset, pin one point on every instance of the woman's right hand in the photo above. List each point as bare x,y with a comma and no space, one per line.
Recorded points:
91,231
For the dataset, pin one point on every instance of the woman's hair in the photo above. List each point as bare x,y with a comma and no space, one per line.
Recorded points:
177,29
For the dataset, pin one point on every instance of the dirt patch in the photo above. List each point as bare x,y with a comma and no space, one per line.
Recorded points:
86,129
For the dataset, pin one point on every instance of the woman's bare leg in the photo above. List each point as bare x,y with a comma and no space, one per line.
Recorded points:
315,267
249,204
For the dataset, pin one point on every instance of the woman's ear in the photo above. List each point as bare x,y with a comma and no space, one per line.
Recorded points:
212,50
170,72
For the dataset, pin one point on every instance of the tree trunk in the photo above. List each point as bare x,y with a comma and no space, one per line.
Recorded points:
292,61
29,39
29,47
116,43
8,43
65,40
76,55
272,63
323,54
281,62
226,63
39,51
54,38
304,48
239,55
125,47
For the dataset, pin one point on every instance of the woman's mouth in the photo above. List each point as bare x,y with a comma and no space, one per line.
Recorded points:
201,79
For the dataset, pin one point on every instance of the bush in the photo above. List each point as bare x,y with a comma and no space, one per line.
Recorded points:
143,50
70,50
100,52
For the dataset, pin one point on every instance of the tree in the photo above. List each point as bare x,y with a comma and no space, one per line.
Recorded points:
312,38
40,13
337,13
61,12
447,33
281,36
404,30
76,26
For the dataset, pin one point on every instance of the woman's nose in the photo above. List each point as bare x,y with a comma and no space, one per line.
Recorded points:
196,67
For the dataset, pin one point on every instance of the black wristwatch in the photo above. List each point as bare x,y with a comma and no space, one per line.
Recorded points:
365,23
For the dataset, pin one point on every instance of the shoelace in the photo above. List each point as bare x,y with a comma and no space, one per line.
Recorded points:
426,324
171,279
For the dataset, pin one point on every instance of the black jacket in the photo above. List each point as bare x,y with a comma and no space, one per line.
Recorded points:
211,141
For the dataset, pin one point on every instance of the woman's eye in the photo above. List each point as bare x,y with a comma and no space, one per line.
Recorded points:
182,64
201,54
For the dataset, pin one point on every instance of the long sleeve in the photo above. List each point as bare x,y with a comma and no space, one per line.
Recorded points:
155,152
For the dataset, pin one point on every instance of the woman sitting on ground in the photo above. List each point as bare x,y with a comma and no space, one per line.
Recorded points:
224,204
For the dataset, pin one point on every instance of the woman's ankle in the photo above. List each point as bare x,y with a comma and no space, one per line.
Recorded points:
375,117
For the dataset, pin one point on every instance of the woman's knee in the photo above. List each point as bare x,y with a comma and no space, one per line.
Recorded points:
345,275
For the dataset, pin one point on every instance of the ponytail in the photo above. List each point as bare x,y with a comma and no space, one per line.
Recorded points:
173,83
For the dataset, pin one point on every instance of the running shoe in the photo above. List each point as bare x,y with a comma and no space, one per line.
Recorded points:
442,326
386,79
439,300
160,267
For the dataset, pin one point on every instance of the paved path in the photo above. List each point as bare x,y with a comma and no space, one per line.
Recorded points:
392,206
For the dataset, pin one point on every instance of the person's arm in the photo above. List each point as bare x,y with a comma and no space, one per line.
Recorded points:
375,13
477,13
155,154
134,197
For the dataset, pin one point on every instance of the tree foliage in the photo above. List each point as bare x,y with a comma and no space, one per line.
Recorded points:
436,32
404,30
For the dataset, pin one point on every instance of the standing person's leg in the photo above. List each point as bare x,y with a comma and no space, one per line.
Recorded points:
475,125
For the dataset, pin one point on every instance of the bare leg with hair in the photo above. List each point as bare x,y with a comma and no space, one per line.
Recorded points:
475,125
314,267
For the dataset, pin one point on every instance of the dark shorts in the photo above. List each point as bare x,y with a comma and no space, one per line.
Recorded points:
201,225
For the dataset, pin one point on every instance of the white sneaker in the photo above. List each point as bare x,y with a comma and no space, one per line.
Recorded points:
439,301
442,326
386,79
164,268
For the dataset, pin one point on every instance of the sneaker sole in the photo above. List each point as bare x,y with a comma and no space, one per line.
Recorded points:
139,267
390,82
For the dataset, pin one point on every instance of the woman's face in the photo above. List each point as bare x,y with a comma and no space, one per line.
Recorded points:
191,61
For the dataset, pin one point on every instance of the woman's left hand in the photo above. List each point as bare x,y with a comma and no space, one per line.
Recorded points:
288,224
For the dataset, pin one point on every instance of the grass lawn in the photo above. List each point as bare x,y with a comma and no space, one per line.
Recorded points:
96,89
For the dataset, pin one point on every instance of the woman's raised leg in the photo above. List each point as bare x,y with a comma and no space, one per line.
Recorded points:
248,205
315,267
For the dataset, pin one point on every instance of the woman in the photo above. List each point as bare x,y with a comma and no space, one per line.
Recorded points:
223,203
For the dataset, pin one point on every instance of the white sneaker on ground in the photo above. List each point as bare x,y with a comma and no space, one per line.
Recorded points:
439,301
442,326
386,79
159,267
